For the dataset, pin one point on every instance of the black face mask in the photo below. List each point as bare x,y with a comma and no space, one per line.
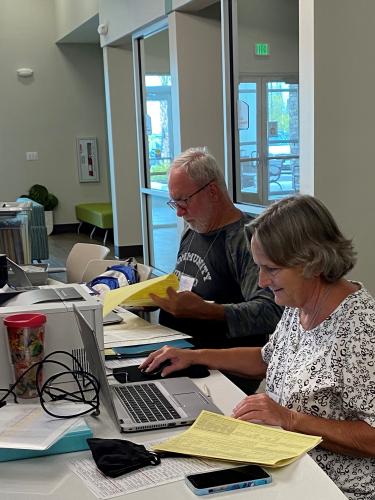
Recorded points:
115,457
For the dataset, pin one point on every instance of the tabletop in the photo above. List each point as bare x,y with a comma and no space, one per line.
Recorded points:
51,478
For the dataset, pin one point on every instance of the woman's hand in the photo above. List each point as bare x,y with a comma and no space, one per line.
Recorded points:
261,409
178,359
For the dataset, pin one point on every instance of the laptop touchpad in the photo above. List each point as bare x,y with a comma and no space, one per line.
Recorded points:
190,400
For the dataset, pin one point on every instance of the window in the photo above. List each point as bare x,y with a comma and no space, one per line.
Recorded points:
268,166
261,100
159,129
155,146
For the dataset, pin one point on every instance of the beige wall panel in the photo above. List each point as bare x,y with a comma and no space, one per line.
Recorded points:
344,112
126,16
196,75
118,64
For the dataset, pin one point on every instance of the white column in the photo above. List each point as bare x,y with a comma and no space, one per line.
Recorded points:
123,160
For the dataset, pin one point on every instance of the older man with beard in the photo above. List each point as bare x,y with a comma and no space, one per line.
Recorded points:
219,303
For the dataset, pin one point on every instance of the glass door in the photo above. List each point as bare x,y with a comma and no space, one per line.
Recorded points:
282,142
261,109
250,141
268,127
155,147
158,129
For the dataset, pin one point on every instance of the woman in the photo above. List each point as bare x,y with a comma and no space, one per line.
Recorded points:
320,362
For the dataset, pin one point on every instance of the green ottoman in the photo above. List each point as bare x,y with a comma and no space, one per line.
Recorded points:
96,214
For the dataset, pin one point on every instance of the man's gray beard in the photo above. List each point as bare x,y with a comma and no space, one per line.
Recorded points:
197,229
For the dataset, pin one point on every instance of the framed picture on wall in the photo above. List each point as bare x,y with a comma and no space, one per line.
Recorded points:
87,158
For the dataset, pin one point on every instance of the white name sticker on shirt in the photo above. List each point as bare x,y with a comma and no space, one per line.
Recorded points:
186,283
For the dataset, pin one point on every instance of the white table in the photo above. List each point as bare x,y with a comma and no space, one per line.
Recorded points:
50,477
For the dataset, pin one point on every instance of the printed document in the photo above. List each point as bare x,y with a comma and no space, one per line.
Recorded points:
123,363
146,333
226,438
137,295
28,427
168,471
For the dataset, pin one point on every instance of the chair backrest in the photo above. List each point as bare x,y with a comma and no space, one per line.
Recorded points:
144,271
96,267
78,258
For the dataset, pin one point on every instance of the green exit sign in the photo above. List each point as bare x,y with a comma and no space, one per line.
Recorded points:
262,49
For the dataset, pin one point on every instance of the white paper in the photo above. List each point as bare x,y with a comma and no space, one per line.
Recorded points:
27,426
148,334
123,363
168,471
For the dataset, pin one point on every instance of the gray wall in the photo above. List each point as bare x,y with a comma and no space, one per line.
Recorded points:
197,86
71,14
156,61
122,140
274,22
45,113
337,115
125,16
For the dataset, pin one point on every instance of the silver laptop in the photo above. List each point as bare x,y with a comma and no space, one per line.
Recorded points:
17,278
112,318
139,406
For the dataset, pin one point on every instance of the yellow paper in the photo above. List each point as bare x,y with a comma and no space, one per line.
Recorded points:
138,294
226,438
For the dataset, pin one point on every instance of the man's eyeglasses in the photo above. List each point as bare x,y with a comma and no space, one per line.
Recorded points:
174,204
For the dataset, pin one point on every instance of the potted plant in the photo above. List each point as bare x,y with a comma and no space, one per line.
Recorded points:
41,195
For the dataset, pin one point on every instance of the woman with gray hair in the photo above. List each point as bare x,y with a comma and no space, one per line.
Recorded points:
320,362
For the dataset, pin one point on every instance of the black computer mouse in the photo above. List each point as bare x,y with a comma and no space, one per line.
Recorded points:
158,369
135,374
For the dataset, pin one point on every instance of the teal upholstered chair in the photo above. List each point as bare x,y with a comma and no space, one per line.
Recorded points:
38,231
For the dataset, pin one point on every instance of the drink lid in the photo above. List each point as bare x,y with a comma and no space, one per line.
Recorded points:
24,320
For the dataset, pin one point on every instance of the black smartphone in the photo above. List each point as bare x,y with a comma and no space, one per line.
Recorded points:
228,479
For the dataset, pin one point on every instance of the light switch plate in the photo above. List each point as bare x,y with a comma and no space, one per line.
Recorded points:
32,155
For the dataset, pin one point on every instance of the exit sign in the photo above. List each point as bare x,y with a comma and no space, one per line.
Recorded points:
262,49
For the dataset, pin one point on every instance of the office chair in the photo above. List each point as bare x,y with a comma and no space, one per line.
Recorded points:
96,267
79,256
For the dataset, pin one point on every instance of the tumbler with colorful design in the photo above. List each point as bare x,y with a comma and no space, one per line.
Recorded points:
26,345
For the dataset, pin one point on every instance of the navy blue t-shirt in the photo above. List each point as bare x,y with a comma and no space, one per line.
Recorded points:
223,270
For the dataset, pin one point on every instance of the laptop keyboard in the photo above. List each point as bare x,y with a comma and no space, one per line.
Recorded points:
146,403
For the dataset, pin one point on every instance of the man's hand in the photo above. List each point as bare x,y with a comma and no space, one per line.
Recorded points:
261,409
188,305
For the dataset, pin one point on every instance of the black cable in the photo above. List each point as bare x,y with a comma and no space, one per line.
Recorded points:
85,381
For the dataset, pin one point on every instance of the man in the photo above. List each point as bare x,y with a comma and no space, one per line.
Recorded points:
221,304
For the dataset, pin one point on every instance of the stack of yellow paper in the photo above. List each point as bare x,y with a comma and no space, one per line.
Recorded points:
225,438
137,295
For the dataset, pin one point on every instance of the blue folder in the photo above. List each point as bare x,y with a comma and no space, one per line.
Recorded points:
143,349
74,439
